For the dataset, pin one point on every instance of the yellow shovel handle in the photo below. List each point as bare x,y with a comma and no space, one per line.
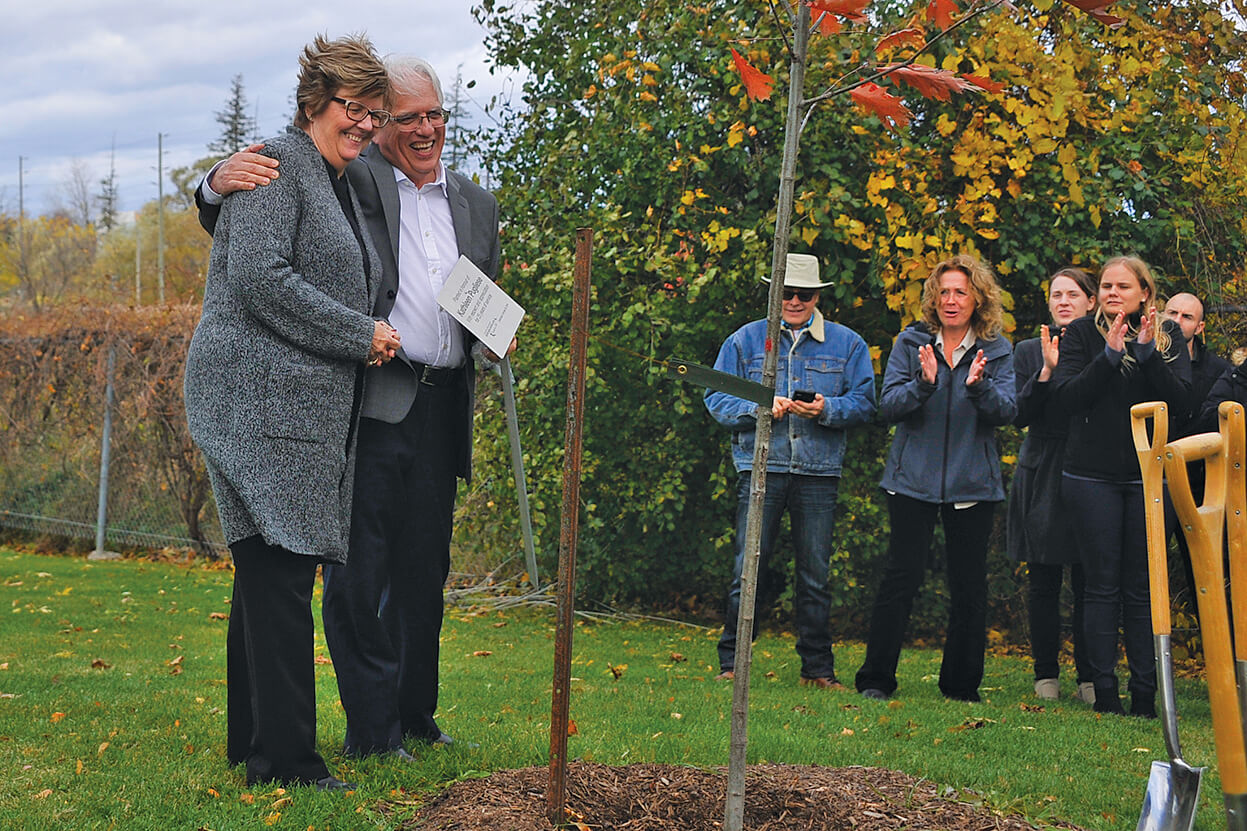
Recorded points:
1151,464
1232,420
1203,527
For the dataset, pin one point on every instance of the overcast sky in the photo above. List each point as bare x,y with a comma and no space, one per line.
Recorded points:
83,74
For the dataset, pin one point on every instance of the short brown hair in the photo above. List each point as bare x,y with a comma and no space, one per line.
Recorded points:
329,66
988,317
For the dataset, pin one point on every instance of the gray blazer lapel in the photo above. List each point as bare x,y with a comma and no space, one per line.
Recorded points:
459,213
387,188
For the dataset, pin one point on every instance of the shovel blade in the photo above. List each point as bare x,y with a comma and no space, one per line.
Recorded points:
1172,796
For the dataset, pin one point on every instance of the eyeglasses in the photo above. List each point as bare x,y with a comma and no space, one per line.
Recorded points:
357,112
804,295
412,121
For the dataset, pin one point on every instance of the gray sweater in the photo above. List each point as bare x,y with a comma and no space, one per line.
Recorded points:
271,371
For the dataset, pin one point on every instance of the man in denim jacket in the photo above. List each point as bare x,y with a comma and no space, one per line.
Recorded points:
807,448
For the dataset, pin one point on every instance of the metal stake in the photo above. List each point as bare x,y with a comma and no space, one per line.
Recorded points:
517,468
556,793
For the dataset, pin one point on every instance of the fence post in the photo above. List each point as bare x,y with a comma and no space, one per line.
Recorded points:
106,441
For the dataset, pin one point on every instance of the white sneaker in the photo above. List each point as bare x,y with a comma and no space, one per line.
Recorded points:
1085,692
1049,689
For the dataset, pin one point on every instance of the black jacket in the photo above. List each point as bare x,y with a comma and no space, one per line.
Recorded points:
1098,396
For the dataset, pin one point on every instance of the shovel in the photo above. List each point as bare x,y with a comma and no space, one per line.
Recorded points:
1172,786
1203,526
1231,413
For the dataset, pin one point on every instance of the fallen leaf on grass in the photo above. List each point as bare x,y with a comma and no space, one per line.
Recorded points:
247,798
500,625
617,671
218,616
214,793
5,665
44,794
678,658
322,659
848,731
56,717
677,716
572,729
1032,708
99,663
79,767
103,747
272,819
481,653
971,724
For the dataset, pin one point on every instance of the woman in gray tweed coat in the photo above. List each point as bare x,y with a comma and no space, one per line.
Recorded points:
272,384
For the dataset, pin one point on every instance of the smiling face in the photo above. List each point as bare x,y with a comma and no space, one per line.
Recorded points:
1067,301
1121,291
416,153
956,303
337,137
796,310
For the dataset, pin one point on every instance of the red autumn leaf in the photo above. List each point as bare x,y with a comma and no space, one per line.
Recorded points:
1097,9
875,99
572,729
898,38
757,84
941,12
985,84
929,81
852,10
829,24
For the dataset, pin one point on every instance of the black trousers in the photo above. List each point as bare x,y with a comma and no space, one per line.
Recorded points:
383,609
966,533
271,697
1111,531
1043,590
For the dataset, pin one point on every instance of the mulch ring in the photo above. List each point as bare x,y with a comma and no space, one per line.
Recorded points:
676,798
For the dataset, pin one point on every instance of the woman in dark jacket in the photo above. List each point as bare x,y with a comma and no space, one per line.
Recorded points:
1122,356
272,387
1038,534
948,386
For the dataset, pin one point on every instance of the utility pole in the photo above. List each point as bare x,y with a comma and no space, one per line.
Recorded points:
160,219
21,226
138,260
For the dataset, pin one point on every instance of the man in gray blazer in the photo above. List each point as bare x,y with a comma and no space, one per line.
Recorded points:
383,609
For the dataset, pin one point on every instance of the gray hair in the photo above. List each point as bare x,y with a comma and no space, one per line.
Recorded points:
406,71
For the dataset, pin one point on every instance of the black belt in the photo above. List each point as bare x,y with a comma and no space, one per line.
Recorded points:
437,376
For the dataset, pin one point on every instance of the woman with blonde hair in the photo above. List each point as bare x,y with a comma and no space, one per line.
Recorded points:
1124,355
947,387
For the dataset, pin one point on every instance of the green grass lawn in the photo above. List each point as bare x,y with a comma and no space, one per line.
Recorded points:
112,714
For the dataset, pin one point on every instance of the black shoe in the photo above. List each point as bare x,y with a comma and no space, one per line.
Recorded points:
875,694
1107,701
445,740
972,696
1143,705
333,783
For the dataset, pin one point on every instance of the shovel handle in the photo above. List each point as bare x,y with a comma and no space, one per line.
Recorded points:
1203,526
1232,420
1151,464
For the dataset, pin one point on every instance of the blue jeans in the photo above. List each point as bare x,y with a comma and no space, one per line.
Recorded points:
811,505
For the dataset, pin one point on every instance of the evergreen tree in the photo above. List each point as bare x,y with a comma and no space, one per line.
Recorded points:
237,128
108,196
458,128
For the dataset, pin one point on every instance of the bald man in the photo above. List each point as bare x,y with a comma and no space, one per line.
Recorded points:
1186,310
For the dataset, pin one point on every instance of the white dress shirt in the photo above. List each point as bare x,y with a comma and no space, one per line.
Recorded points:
427,251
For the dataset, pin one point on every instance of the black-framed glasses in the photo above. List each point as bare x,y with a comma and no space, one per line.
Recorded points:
358,112
412,121
804,295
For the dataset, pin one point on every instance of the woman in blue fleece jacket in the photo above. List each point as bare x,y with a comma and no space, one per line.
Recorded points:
947,387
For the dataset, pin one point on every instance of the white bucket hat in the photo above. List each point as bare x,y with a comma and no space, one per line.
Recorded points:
802,273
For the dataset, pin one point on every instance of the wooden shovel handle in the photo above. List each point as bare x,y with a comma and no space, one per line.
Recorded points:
1235,485
1203,526
1151,464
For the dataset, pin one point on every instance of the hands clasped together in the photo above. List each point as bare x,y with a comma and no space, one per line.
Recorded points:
385,343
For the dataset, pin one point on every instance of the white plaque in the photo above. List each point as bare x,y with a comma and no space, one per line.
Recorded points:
485,310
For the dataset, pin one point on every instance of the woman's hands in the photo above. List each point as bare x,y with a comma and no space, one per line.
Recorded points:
1051,352
976,369
1116,337
926,361
385,343
1147,327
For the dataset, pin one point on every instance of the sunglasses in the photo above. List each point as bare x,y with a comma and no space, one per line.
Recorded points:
804,295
